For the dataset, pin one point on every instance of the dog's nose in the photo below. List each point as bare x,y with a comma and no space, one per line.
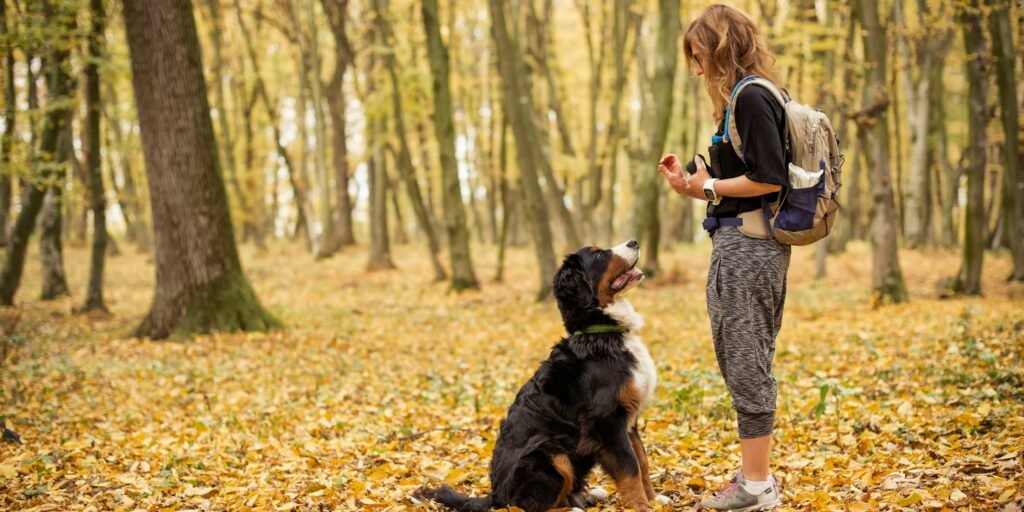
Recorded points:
632,244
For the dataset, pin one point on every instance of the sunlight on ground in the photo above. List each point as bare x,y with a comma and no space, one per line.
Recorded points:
384,382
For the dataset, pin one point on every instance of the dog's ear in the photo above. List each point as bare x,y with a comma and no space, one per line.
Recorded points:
570,284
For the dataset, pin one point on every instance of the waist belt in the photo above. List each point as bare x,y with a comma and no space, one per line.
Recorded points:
754,227
713,223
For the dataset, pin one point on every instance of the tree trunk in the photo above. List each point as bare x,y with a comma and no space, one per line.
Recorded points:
917,209
404,158
1012,191
226,141
128,198
544,59
619,38
324,247
646,221
254,186
380,246
874,134
94,294
519,108
968,281
460,258
8,136
377,178
302,205
51,249
337,12
59,86
507,203
200,285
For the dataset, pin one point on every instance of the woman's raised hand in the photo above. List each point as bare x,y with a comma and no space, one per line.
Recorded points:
670,168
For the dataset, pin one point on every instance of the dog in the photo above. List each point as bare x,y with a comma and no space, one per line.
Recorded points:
580,408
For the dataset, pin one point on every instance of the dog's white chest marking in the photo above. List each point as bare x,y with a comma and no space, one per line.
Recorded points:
645,376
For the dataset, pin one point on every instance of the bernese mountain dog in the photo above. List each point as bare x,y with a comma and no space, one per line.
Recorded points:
580,408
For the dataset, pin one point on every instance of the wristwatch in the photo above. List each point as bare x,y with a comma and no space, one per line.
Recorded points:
709,191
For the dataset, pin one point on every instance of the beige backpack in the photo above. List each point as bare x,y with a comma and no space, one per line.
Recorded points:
807,208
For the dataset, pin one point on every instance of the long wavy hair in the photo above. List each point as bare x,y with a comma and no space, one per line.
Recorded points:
730,48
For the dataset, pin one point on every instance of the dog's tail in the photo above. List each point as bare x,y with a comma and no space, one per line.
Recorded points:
455,500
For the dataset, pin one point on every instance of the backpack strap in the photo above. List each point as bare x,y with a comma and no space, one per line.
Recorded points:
731,133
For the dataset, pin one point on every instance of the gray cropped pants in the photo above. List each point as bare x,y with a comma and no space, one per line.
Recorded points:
746,292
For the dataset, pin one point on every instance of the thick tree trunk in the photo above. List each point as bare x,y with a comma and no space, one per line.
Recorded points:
1006,77
463,275
59,86
97,203
968,281
519,107
200,285
7,138
887,279
646,219
337,12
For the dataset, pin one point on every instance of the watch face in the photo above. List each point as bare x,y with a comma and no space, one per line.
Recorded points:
709,194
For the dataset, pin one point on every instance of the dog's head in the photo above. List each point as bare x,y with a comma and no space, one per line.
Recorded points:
590,280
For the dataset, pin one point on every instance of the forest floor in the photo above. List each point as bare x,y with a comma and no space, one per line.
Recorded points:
383,382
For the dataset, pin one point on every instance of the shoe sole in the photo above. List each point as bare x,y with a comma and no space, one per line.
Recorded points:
760,506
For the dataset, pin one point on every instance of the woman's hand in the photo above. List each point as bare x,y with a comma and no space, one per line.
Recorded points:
673,172
682,183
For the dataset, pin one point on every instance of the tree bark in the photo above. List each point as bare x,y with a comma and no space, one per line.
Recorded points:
968,281
260,92
51,248
1006,77
200,285
8,136
887,279
324,247
403,158
917,209
507,202
97,203
337,12
519,107
47,157
131,204
646,219
460,258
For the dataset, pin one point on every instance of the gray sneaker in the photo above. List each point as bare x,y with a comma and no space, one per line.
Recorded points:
736,499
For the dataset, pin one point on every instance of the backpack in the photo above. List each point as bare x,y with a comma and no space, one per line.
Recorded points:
806,209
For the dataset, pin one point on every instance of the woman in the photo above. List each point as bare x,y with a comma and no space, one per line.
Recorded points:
746,285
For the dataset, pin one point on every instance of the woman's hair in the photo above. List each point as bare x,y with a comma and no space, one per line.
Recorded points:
730,48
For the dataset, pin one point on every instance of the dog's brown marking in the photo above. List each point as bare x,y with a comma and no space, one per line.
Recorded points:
564,467
594,249
631,491
641,459
616,267
630,398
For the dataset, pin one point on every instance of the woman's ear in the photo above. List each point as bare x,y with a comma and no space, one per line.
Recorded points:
570,284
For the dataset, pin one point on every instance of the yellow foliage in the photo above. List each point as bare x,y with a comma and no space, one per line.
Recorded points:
383,383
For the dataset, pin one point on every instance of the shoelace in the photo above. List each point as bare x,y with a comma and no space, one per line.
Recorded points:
729,489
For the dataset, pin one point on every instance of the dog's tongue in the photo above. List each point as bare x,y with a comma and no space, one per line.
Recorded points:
626,277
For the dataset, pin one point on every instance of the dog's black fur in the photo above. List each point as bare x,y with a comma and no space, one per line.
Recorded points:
577,411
